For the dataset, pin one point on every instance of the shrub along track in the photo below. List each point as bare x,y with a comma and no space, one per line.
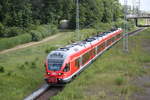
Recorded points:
29,44
52,91
47,39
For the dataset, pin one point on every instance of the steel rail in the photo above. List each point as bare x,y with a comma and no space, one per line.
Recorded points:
38,92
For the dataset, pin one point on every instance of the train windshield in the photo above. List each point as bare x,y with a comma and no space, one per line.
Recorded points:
55,64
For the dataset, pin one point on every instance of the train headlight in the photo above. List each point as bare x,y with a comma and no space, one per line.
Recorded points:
48,73
60,73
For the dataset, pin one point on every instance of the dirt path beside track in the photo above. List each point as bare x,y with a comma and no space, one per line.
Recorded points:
29,44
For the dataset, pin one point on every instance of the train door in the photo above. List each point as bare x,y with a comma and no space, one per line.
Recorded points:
105,43
67,69
78,62
92,53
81,61
113,39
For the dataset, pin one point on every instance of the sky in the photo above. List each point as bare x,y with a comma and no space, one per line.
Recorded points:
145,4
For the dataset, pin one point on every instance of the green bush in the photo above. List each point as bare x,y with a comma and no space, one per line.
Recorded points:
9,73
119,80
121,23
53,29
21,67
33,65
36,35
1,29
49,49
43,31
101,27
12,31
7,43
2,70
26,63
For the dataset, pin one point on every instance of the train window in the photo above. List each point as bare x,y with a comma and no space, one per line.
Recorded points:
55,64
113,39
56,55
85,58
93,52
108,42
101,47
67,68
77,62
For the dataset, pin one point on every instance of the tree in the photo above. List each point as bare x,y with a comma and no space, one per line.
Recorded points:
22,13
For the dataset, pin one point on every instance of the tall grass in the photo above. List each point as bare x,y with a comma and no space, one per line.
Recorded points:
24,69
24,72
112,73
7,43
35,34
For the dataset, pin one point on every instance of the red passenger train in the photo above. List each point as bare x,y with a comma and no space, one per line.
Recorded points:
63,64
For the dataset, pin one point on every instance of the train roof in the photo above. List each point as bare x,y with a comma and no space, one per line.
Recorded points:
78,46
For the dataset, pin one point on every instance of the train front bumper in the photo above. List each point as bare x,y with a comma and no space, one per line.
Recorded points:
54,80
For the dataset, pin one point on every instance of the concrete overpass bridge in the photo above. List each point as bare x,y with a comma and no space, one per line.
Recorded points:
137,17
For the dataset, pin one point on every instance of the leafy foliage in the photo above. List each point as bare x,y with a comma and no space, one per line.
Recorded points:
41,32
12,31
23,13
35,34
18,17
119,80
49,49
2,70
13,41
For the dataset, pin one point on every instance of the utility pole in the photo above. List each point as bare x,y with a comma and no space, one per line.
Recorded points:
133,7
138,7
77,20
125,35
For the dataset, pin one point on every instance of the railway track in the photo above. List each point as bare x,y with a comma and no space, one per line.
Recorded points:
51,91
135,32
47,91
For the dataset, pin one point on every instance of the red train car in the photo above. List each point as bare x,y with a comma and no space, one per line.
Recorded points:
63,64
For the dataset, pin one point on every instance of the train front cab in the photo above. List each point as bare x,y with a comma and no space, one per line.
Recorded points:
57,70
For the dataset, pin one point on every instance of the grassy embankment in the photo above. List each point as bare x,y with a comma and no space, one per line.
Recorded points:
110,77
22,71
35,33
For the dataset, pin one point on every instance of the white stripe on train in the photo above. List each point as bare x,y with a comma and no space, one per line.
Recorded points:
83,67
